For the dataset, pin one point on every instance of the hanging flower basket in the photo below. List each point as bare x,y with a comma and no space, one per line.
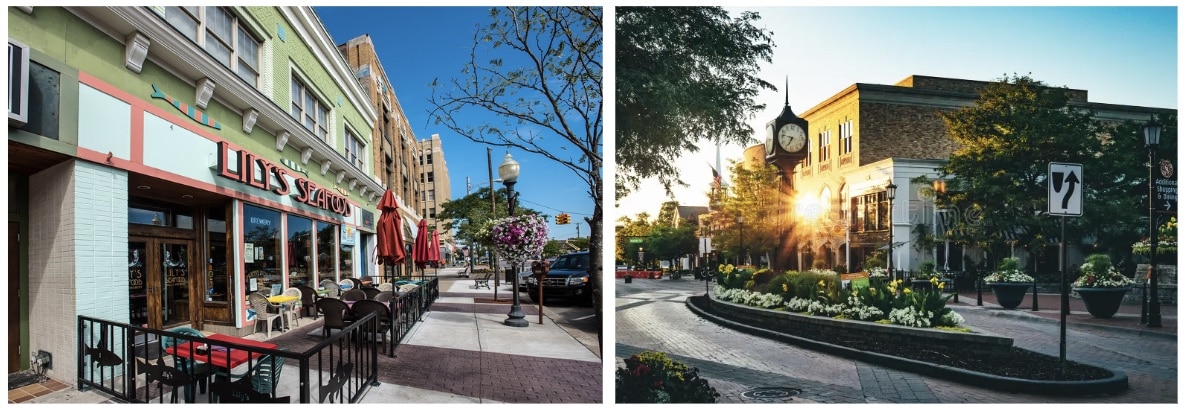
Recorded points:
520,238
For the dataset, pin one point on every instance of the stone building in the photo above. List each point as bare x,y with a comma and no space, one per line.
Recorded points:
435,186
859,141
397,155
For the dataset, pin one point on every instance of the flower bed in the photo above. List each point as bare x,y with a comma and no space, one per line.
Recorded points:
789,322
639,274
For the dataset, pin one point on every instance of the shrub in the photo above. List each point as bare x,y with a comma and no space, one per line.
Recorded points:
651,377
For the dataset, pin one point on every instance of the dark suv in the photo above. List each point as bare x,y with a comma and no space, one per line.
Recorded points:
568,277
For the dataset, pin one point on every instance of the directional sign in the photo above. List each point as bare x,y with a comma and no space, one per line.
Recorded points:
1065,184
1165,187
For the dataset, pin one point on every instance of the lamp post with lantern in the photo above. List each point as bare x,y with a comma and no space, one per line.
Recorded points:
891,227
509,171
1151,132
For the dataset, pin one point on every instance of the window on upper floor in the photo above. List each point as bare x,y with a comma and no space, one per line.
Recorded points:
429,158
846,131
824,139
222,34
431,196
429,177
353,148
869,212
308,110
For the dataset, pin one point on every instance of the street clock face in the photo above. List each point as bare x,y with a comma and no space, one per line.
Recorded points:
792,138
769,143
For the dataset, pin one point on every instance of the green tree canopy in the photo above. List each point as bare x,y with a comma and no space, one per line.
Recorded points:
669,243
684,74
472,211
1006,140
753,194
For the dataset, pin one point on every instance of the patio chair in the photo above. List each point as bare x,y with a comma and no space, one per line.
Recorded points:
354,295
383,319
385,287
371,292
358,282
346,284
309,297
290,309
260,305
334,312
198,371
330,286
385,296
264,374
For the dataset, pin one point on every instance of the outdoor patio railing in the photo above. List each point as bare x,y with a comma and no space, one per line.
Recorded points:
129,363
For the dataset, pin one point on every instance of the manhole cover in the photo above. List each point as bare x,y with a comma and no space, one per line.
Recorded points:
771,393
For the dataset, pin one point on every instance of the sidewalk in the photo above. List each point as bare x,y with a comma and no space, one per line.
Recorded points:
1127,318
461,353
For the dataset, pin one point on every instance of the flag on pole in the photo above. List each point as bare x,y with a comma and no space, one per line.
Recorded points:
717,178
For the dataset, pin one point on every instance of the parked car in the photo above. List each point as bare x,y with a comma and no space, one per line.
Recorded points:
568,277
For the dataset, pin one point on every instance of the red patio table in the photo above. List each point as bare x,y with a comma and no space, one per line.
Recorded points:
216,357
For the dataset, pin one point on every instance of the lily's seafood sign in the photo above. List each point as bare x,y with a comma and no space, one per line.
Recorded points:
273,179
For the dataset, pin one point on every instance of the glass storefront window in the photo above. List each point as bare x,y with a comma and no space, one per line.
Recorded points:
300,248
327,242
261,250
217,284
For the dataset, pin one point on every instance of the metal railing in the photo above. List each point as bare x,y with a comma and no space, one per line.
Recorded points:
129,362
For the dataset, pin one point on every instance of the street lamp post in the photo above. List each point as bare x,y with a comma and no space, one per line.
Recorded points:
1151,131
509,171
891,227
740,247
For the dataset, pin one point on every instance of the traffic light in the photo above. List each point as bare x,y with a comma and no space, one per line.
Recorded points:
562,219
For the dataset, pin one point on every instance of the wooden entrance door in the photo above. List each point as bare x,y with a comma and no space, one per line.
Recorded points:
14,296
159,273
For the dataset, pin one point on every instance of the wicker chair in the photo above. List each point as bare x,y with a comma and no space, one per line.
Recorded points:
354,295
260,305
385,296
291,309
335,313
309,298
371,292
383,319
330,286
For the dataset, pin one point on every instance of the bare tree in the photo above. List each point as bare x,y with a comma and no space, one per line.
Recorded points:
548,93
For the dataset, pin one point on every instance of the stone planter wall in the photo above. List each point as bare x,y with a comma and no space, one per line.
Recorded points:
1167,284
791,323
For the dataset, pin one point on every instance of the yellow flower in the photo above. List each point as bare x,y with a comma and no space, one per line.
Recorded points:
907,291
872,290
940,285
933,280
821,283
785,287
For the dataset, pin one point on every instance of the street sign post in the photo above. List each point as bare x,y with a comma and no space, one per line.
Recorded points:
1065,186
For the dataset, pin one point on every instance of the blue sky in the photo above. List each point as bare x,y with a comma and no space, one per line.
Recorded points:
416,45
1120,55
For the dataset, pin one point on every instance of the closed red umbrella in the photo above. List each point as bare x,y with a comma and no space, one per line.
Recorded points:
436,253
389,240
422,248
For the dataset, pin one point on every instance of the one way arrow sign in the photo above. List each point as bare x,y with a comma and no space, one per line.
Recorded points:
1065,184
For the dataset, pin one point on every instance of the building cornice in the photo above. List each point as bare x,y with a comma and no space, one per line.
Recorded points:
181,57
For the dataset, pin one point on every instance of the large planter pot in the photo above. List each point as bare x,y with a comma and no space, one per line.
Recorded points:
1009,295
1102,303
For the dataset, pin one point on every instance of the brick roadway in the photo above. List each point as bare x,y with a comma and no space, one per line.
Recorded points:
650,315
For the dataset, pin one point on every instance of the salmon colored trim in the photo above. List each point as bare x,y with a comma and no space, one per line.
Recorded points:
102,158
137,144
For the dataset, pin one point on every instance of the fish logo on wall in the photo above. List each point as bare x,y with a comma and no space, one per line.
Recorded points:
195,114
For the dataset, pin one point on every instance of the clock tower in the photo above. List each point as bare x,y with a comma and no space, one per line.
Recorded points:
787,136
786,144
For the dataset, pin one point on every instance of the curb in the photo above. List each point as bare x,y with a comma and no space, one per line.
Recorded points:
1025,315
1113,385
